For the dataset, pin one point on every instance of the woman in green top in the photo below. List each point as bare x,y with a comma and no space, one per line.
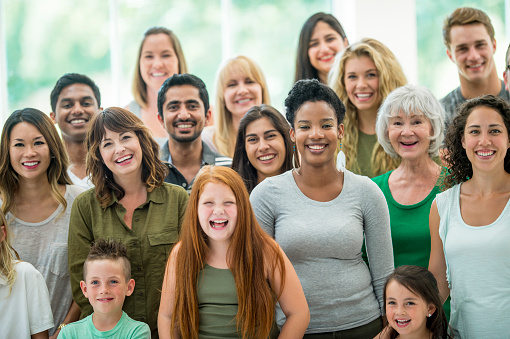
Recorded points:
364,74
226,274
410,127
130,203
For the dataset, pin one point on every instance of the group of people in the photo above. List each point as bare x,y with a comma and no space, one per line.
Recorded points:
162,219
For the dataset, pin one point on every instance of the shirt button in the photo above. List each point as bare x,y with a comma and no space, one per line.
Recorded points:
135,244
136,219
138,269
140,294
183,184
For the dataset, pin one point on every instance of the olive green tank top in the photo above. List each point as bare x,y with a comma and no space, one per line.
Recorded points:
217,303
366,143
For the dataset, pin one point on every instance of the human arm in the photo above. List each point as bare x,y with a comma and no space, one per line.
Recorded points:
437,261
378,242
292,301
40,335
79,241
72,315
166,306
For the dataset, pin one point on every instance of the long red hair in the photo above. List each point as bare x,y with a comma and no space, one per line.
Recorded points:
250,255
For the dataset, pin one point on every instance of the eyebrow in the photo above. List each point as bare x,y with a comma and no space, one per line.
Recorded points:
478,126
87,97
265,132
36,138
327,119
175,102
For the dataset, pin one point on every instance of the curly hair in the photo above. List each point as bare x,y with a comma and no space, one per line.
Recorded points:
120,120
460,167
391,77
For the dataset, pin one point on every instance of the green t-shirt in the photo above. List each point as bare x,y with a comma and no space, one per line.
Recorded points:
126,328
366,143
217,303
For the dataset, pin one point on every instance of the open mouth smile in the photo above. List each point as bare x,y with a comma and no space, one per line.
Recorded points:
219,223
124,158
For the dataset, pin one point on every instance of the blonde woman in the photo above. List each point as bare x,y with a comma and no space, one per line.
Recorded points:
240,86
362,76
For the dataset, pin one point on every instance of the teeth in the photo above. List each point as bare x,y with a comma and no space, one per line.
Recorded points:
78,121
242,101
218,223
403,322
184,125
317,147
124,158
363,96
267,157
475,66
158,74
326,57
32,163
485,154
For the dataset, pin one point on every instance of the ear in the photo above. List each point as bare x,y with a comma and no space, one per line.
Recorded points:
53,117
340,131
292,135
432,308
208,117
130,287
83,287
450,55
346,42
463,142
505,78
494,46
161,120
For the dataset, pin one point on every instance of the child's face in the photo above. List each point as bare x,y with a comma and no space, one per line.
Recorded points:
217,212
106,286
407,312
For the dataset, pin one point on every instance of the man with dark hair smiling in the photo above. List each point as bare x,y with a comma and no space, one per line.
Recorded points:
183,107
75,99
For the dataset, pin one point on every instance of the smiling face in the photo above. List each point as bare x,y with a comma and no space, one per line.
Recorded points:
316,133
122,154
362,83
158,60
324,44
217,212
29,152
241,93
265,148
407,312
76,104
106,286
184,117
410,135
485,139
472,50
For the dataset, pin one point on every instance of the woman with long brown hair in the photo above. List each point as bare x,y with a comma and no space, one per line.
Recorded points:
216,280
130,203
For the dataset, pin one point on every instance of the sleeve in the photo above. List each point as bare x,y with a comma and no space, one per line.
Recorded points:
80,239
40,315
183,203
379,248
262,206
143,331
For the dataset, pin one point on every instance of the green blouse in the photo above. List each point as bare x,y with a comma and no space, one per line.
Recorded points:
155,228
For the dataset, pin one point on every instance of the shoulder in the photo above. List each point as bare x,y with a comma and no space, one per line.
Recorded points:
504,94
74,191
446,196
171,189
137,326
211,157
359,181
452,97
27,270
87,197
134,108
382,179
74,329
275,185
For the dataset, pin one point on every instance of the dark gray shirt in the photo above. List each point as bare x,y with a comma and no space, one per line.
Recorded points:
208,158
454,99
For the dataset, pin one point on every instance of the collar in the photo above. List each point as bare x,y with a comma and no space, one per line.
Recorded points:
208,156
156,196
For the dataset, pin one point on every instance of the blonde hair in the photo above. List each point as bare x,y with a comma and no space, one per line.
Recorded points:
7,255
225,133
391,77
139,86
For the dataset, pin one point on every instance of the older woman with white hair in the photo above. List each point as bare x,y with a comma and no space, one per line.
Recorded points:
410,126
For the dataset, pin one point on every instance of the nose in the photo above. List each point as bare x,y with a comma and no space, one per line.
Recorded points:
77,108
323,47
241,88
263,145
484,139
316,133
104,289
218,209
119,148
473,53
157,61
407,129
29,151
183,114
361,82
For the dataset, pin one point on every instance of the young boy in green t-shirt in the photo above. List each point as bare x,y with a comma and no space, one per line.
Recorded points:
107,282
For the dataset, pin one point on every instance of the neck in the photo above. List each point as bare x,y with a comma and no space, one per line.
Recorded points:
105,322
366,121
33,190
132,185
323,77
489,85
77,155
217,256
235,123
152,101
185,154
422,167
316,176
490,182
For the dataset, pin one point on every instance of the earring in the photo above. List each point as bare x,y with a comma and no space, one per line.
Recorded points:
340,160
430,315
294,156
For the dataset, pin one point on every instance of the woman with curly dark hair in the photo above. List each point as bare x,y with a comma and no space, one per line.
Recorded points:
470,238
130,203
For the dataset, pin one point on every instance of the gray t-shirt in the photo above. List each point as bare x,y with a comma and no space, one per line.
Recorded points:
323,242
44,245
454,99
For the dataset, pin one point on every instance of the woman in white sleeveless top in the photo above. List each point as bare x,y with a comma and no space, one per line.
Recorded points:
470,223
